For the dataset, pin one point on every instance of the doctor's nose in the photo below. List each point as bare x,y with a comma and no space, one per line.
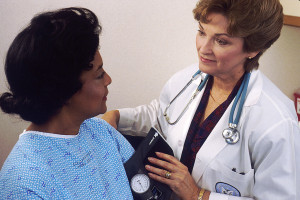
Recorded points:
204,45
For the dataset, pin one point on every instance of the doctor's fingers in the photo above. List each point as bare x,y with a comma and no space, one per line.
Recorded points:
161,179
170,159
164,164
183,185
178,175
162,173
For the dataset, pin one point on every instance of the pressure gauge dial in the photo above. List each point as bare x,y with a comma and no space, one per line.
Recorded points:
140,183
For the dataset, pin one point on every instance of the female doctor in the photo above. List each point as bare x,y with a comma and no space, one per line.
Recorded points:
236,137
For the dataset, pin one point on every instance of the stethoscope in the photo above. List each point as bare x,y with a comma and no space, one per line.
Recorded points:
230,134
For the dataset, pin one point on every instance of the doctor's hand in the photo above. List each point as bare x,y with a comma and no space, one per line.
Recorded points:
180,180
112,117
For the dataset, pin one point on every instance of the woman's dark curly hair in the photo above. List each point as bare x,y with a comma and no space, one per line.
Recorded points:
45,61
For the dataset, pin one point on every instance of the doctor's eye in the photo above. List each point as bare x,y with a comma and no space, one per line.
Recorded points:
201,33
221,42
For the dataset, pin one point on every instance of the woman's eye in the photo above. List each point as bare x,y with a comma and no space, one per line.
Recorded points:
101,75
221,42
201,33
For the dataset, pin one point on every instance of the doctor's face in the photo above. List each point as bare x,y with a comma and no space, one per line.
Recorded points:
220,54
90,100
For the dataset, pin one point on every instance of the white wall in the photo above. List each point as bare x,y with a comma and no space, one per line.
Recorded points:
143,43
291,7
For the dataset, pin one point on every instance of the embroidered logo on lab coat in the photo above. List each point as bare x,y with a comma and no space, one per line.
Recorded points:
225,188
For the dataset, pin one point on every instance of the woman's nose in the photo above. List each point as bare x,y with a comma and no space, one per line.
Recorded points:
108,80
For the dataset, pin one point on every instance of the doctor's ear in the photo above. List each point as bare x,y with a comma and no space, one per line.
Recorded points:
252,54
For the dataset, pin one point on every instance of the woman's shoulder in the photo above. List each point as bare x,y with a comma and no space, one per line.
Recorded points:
29,153
109,136
99,128
96,124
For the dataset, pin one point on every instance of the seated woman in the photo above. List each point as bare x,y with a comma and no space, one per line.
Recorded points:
57,82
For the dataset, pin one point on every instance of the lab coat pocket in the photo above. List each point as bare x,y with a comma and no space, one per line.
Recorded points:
223,179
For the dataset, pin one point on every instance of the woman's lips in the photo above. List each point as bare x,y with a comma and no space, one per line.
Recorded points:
105,97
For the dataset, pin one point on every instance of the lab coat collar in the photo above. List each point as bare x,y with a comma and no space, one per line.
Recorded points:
254,88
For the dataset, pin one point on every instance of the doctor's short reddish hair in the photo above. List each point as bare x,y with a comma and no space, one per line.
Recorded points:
259,22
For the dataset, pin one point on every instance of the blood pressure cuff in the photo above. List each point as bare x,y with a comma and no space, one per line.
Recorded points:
143,187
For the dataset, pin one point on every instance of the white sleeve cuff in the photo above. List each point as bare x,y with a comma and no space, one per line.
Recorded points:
126,119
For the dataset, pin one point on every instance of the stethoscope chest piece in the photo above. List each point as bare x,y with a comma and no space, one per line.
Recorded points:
231,134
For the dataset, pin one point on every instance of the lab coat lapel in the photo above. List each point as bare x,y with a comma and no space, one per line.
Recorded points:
215,142
179,131
212,146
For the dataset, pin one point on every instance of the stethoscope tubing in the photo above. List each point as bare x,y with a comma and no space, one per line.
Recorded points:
233,137
242,91
199,88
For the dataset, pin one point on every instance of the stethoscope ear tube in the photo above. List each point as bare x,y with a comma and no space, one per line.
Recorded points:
199,88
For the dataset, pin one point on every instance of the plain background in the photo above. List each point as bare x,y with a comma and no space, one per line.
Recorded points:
142,44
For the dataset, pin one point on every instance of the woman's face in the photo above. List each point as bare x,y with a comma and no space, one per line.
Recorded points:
220,54
90,100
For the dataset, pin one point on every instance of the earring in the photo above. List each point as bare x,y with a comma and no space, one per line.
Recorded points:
249,57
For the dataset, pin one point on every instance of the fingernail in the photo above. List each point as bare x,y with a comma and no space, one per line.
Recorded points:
147,167
150,158
158,153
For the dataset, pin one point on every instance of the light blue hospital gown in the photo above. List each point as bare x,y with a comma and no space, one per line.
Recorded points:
86,166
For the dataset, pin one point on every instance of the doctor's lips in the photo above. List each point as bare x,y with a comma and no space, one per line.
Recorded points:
205,60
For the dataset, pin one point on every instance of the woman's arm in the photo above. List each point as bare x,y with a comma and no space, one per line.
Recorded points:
112,117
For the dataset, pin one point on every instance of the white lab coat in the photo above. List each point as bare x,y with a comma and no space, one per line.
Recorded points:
264,164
